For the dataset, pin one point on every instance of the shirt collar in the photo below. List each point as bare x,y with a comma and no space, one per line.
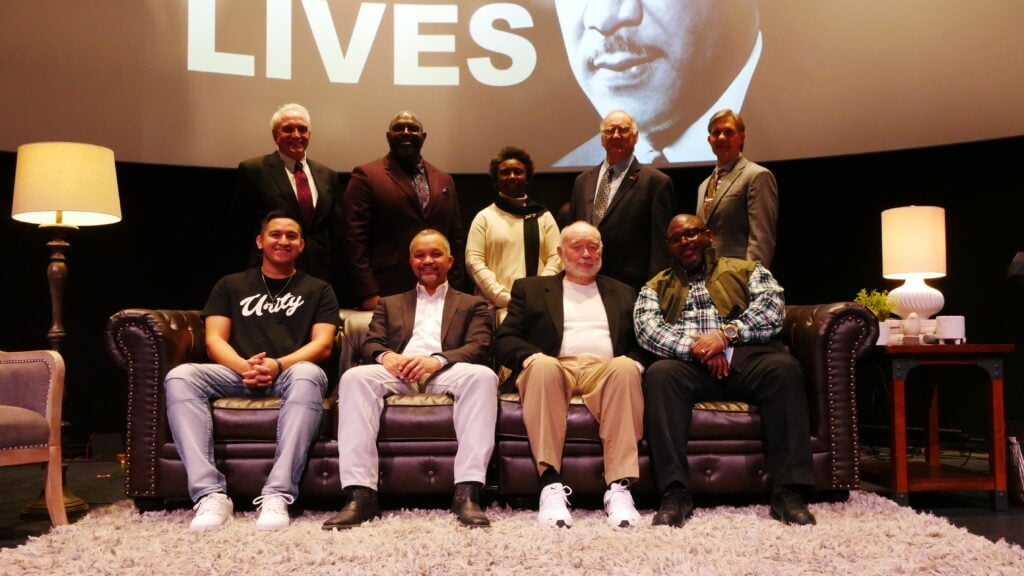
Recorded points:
618,168
289,162
441,292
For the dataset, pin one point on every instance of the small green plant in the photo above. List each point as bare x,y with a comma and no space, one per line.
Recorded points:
877,302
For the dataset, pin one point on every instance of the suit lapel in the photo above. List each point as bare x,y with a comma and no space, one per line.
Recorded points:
613,319
436,188
553,300
725,183
451,304
403,182
590,187
323,191
625,186
408,314
279,175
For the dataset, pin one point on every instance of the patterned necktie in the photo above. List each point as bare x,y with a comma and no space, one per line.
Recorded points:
709,194
604,191
305,195
419,181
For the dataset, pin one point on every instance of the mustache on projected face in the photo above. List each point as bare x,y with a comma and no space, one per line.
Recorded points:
621,53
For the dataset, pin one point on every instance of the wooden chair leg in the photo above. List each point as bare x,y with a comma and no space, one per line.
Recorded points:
55,488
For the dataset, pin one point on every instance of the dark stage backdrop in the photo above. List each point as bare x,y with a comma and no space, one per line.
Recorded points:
167,253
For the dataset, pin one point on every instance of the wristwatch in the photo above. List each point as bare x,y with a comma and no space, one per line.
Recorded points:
732,333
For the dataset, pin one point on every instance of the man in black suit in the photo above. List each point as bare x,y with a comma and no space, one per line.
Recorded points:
274,182
573,334
630,203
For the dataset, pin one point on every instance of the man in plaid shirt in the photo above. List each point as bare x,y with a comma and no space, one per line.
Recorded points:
714,322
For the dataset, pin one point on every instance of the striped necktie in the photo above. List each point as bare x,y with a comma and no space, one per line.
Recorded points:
604,191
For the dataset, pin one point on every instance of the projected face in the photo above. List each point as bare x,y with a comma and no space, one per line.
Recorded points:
665,61
292,135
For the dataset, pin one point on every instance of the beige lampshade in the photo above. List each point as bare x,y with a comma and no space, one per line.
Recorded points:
65,183
914,242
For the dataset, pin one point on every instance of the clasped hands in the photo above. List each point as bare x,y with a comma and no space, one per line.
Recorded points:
262,371
709,349
411,369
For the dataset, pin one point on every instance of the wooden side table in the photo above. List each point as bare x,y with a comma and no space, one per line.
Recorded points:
906,477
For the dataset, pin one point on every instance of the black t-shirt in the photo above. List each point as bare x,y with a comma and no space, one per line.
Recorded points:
262,323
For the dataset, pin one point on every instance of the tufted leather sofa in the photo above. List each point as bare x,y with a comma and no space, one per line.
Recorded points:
417,440
725,448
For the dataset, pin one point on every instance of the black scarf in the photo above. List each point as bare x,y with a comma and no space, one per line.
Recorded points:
530,212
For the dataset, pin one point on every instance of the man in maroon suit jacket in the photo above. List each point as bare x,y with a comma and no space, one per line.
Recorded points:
386,203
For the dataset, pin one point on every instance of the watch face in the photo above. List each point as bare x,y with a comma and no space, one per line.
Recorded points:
731,331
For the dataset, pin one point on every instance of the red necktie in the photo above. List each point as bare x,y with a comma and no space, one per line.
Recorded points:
304,194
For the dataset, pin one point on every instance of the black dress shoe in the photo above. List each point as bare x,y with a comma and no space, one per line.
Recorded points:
676,507
790,508
362,506
465,505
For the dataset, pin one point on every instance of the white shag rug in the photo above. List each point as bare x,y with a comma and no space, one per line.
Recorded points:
868,535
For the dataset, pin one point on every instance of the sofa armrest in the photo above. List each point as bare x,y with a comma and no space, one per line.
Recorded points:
146,344
354,326
828,340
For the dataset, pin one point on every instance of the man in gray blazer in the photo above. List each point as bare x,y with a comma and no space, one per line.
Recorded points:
740,200
435,339
630,204
271,182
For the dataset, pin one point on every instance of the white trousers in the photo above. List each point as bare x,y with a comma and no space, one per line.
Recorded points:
361,394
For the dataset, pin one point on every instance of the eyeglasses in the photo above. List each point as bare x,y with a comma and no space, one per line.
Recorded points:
290,128
617,130
690,234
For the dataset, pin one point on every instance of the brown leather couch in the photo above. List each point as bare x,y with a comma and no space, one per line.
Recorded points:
417,440
725,448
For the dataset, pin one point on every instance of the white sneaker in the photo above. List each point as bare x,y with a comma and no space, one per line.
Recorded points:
212,511
618,505
554,506
273,511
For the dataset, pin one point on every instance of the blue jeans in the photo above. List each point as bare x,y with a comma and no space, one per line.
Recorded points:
190,388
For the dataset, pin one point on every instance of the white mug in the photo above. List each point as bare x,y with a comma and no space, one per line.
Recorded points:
950,329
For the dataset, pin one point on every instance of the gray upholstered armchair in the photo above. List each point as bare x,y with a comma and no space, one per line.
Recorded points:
31,392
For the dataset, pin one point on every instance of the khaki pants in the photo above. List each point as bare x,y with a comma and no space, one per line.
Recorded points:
611,390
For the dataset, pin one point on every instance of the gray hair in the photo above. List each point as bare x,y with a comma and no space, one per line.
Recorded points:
291,108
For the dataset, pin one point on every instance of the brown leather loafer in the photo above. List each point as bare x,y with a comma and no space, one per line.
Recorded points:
465,505
790,508
362,506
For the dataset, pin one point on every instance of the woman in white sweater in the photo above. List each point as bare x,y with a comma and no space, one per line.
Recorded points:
513,237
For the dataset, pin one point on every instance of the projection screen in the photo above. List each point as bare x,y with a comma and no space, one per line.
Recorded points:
194,82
